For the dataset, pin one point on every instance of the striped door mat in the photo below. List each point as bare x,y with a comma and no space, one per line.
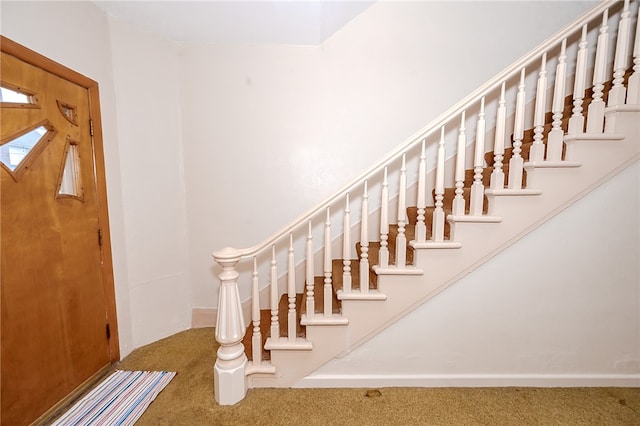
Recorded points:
118,400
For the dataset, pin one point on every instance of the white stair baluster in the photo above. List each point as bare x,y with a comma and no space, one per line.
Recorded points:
383,256
633,85
291,290
617,93
437,229
310,276
256,338
458,208
346,248
497,176
536,153
555,140
401,238
477,189
364,243
516,162
576,122
328,290
421,203
275,297
595,112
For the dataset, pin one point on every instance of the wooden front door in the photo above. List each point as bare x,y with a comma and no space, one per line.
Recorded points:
57,302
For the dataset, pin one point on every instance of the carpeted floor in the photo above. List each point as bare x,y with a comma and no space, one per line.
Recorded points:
188,399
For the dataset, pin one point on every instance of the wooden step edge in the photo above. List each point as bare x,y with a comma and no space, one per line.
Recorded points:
551,164
435,245
320,319
512,192
474,219
394,270
360,295
593,137
297,344
265,367
622,108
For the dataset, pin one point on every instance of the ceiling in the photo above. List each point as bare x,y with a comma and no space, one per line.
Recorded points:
239,21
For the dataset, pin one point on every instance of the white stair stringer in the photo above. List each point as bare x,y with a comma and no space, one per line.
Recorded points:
550,189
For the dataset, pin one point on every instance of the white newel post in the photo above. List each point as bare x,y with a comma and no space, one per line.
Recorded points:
516,162
576,122
617,93
458,208
383,254
595,112
477,189
346,248
633,89
555,141
497,176
230,385
536,153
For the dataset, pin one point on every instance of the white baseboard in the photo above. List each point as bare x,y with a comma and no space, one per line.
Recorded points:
207,317
203,317
470,380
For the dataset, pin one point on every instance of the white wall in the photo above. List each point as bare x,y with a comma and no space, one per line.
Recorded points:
76,34
146,75
270,131
573,310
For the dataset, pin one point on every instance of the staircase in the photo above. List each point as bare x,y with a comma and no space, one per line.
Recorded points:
491,191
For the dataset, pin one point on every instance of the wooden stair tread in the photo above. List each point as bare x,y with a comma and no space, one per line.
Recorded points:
338,267
318,297
265,325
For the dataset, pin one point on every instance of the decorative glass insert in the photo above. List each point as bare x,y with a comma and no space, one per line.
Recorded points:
8,95
11,96
68,112
70,183
16,150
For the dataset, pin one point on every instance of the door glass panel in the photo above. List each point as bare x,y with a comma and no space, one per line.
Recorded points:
70,178
15,151
69,112
11,96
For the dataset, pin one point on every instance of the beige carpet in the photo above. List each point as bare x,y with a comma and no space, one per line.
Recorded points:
188,399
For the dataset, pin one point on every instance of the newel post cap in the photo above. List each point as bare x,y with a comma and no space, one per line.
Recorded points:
227,255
